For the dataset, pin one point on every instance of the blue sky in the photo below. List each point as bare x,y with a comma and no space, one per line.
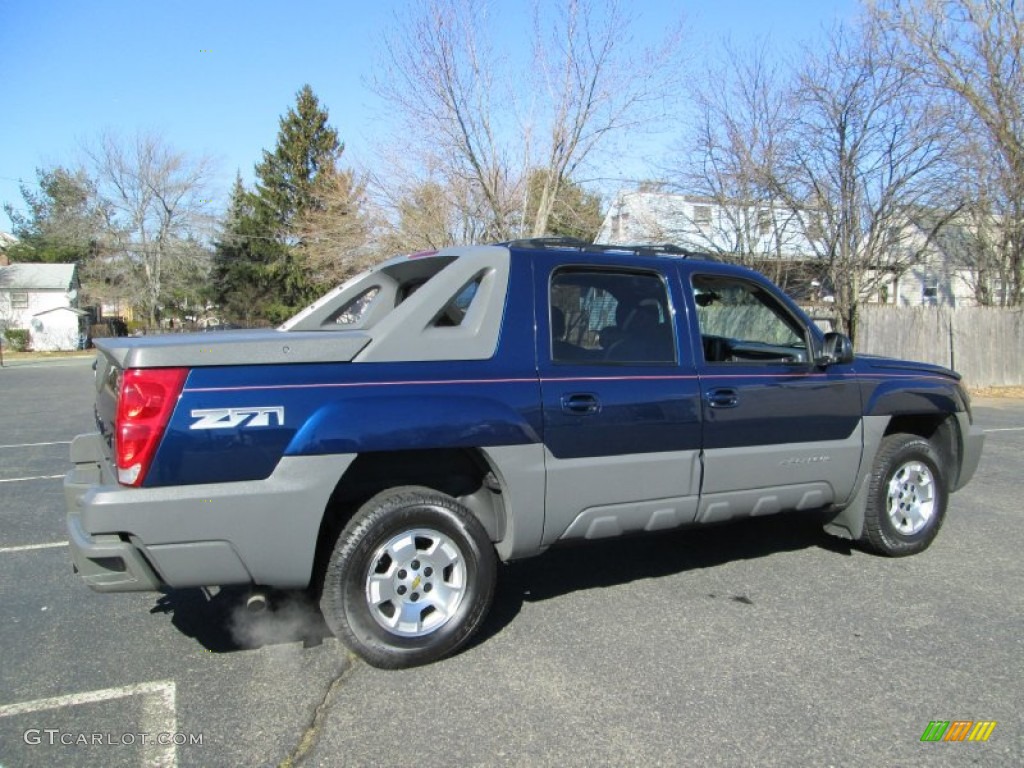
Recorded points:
214,77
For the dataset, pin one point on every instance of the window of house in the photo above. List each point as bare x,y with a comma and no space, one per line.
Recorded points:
999,292
620,226
702,215
610,317
930,290
764,222
19,300
740,322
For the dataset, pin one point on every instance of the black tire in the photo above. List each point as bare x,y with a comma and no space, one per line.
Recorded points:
907,496
410,579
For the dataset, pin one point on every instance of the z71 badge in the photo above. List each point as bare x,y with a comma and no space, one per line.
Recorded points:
229,418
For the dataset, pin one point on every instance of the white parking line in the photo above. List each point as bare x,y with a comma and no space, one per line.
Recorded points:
37,477
158,714
1006,429
36,445
29,547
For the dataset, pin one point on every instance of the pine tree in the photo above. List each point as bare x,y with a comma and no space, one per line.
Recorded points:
65,220
289,187
261,271
240,277
306,146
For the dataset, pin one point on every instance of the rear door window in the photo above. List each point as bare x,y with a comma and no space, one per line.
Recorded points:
610,317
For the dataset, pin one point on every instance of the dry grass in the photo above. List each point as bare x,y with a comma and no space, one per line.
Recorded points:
997,392
11,355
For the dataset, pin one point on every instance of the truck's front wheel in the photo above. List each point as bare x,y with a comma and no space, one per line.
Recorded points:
410,579
907,501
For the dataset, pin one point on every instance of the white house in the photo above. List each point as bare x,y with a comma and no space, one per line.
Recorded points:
934,263
43,298
770,238
704,224
926,264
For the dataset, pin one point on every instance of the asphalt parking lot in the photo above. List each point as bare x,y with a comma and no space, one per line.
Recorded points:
763,644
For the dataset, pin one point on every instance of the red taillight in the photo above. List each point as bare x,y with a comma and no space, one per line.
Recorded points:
144,406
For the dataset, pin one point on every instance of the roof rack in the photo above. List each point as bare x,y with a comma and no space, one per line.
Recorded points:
662,249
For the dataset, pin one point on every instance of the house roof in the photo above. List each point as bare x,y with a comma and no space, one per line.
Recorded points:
38,277
72,310
959,239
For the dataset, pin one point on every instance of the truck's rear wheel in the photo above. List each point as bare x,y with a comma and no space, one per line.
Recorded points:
907,496
410,578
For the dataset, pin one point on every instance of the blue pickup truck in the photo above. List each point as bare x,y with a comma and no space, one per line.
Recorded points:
444,411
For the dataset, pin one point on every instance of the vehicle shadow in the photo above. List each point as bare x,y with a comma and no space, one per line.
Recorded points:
612,562
220,621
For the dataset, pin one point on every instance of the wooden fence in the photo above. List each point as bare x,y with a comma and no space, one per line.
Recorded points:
985,344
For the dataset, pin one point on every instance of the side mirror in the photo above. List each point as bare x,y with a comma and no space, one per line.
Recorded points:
836,348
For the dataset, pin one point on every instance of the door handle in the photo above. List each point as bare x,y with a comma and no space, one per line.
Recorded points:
580,403
723,398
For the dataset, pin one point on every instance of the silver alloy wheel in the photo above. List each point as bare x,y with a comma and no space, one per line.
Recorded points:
415,582
910,498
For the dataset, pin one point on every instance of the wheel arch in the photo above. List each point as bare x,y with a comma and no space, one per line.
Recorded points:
465,474
942,430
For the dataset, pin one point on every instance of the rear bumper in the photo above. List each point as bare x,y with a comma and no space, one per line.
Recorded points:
105,562
108,564
138,539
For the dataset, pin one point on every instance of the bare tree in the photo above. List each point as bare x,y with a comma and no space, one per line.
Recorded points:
984,233
973,51
333,234
479,130
415,209
596,83
440,76
158,208
864,150
730,160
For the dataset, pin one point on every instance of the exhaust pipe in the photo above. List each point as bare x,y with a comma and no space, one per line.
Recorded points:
256,603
